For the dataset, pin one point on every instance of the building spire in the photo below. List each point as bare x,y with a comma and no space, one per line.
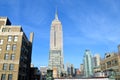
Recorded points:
56,15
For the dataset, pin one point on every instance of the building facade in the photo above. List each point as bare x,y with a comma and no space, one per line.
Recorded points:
81,69
56,46
110,65
88,65
43,71
15,52
96,63
35,73
70,71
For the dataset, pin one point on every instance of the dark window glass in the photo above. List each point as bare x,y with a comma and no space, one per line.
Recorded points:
12,56
10,76
14,47
3,76
8,47
11,67
6,57
5,66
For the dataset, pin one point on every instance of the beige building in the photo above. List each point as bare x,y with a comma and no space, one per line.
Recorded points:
111,63
15,52
96,63
55,75
81,69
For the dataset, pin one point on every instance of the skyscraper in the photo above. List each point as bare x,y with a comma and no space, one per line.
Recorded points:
88,66
56,46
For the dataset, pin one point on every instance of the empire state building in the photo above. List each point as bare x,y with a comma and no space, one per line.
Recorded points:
56,46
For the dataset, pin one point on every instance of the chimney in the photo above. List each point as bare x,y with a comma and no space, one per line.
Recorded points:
31,37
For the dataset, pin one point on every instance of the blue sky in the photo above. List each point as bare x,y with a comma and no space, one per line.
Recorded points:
87,24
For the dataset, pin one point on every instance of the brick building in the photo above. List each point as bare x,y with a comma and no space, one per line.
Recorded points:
15,51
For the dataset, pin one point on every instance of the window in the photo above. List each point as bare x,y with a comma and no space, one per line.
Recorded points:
12,56
3,76
8,47
114,62
108,63
11,67
1,41
9,38
10,76
4,30
15,38
14,47
5,66
6,57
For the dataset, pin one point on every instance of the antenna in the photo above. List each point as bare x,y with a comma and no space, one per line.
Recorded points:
56,14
